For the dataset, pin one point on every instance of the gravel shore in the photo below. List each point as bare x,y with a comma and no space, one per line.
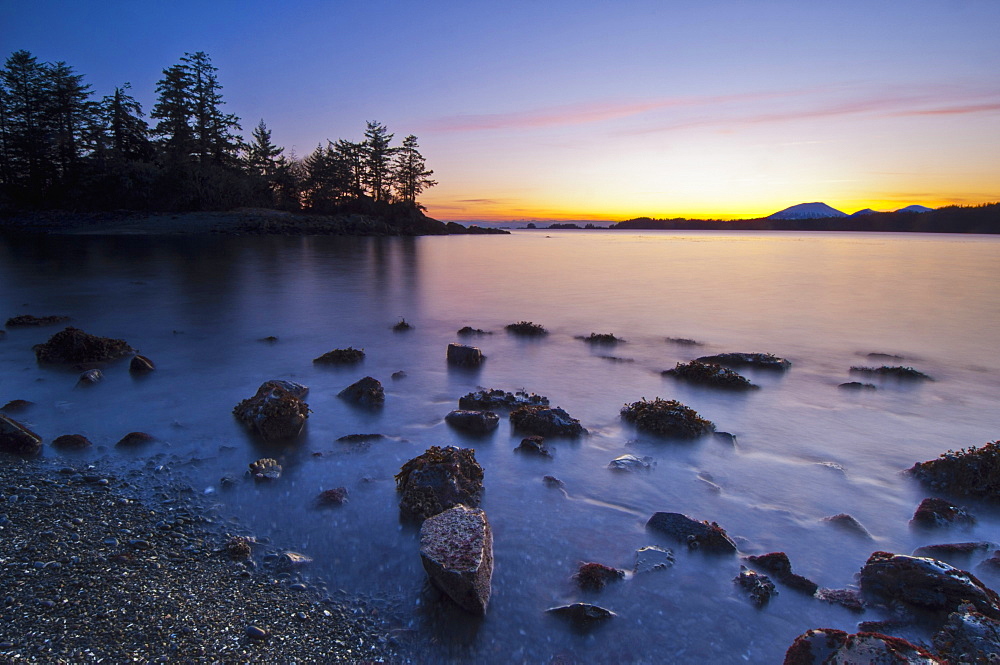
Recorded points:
96,567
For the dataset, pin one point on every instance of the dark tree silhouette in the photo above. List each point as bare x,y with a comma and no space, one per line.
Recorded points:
377,157
410,171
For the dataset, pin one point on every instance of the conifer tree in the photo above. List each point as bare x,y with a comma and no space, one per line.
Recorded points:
377,155
26,148
262,156
410,172
126,135
173,109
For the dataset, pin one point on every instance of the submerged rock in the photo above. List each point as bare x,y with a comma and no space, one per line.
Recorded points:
360,438
134,439
780,567
651,557
710,374
397,375
16,406
75,346
631,463
469,330
934,512
603,339
465,356
553,482
582,614
402,326
26,320
545,421
969,637
71,442
456,549
526,329
971,471
533,445
474,422
293,560
847,598
827,645
332,497
238,548
276,412
90,377
364,392
495,399
666,418
347,356
439,479
948,551
140,365
758,587
706,536
17,439
926,583
848,523
595,576
265,469
897,372
857,385
758,360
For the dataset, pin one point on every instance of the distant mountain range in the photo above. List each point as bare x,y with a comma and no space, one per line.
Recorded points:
818,210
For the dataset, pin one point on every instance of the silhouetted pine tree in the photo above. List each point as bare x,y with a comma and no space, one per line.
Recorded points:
410,172
377,158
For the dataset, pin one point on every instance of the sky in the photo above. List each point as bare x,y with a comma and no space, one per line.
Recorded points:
572,109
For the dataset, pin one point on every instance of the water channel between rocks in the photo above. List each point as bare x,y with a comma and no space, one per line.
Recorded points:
199,307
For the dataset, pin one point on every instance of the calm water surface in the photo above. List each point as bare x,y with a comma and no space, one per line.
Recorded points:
805,450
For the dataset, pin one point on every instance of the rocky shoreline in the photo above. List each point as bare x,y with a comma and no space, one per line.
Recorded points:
100,565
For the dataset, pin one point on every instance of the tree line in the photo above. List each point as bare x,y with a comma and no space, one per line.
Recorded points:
61,148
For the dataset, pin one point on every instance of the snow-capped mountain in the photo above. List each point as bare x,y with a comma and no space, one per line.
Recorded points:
815,210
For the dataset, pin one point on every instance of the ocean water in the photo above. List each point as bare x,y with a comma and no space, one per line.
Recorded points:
804,449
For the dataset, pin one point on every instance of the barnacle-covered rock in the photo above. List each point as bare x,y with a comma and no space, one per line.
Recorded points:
545,421
602,339
710,374
780,567
666,418
706,536
474,422
456,548
969,637
935,512
439,479
895,372
972,471
265,469
336,496
276,412
495,399
526,329
828,645
759,588
757,360
533,445
72,346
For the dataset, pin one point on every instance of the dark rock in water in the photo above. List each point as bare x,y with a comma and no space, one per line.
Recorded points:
332,497
971,471
651,557
545,421
276,411
18,439
603,339
706,536
133,439
16,406
828,645
884,356
293,561
666,418
631,463
71,442
265,469
439,479
990,565
949,551
360,438
270,339
466,331
848,523
969,637
465,356
553,482
710,374
780,567
364,392
26,320
474,422
725,437
533,445
595,576
90,377
496,399
75,346
848,598
857,385
347,356
757,360
140,365
397,375
238,548
926,583
683,341
582,614
456,548
402,326
758,587
901,373
934,512
526,329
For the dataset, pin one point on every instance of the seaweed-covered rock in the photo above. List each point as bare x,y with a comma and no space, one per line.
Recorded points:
276,411
360,438
72,346
474,422
935,512
134,439
465,356
857,385
71,442
651,558
780,567
926,583
265,469
466,331
364,392
140,365
972,471
336,496
347,356
710,374
439,479
895,372
456,548
583,615
16,406
757,360
496,399
666,418
526,329
969,637
706,536
603,339
759,588
594,576
26,320
545,421
631,463
848,523
18,439
828,645
533,445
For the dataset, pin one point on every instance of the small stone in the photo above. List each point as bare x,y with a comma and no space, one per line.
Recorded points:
397,375
553,482
364,392
594,576
582,614
256,633
90,377
707,536
848,598
533,445
631,463
293,560
332,497
848,523
473,422
758,587
133,439
651,557
71,442
265,469
464,356
140,365
935,512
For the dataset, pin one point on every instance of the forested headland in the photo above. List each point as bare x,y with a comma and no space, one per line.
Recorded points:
62,148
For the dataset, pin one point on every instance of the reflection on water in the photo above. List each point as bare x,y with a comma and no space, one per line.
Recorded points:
804,449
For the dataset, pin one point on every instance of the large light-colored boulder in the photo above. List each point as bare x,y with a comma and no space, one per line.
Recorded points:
456,547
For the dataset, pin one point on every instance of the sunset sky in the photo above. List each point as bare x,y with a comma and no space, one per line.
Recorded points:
590,110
